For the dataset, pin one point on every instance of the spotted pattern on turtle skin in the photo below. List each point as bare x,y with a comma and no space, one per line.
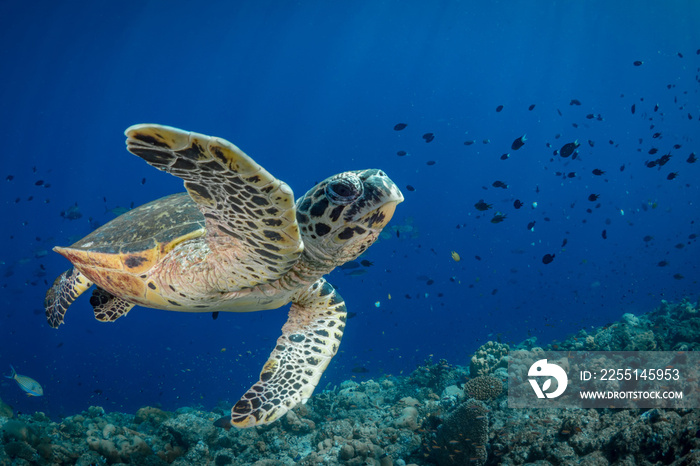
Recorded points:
309,340
66,288
228,244
246,209
108,307
331,214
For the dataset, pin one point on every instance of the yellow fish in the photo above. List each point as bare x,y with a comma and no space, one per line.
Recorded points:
455,256
27,384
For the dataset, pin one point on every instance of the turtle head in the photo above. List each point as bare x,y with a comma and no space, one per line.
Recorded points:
342,216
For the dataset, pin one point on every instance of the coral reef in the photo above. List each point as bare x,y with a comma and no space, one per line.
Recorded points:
462,436
489,357
427,418
484,387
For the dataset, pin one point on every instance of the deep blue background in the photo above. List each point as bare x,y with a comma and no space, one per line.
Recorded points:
313,88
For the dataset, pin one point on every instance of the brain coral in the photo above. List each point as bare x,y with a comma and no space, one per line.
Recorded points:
462,436
484,387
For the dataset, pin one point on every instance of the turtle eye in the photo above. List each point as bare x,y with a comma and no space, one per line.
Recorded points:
344,190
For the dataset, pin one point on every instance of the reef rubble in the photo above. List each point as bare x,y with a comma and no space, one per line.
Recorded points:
441,414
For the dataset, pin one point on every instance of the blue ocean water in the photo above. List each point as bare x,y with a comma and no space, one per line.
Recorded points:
312,88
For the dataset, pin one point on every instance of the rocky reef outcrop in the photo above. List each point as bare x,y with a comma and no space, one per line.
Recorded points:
441,414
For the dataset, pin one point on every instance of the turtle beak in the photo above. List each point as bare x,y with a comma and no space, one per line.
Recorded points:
378,218
385,190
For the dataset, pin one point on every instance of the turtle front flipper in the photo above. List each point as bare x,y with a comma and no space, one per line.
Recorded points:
309,340
246,209
108,307
65,289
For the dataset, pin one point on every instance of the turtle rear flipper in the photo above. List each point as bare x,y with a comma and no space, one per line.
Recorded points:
309,340
65,289
108,307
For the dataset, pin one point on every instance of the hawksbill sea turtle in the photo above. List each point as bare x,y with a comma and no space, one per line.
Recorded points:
235,241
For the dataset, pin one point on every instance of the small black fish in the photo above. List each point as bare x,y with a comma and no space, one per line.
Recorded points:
638,63
593,197
656,107
366,263
591,143
662,263
563,243
486,141
575,102
653,151
622,168
568,148
604,234
531,107
469,143
400,126
498,218
430,162
559,112
360,370
571,175
677,146
590,116
401,153
651,163
38,182
517,204
692,158
505,156
410,188
428,137
634,107
597,171
477,257
548,258
518,143
215,315
656,135
647,238
10,178
143,180
531,225
499,108
672,175
663,160
499,184
482,206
